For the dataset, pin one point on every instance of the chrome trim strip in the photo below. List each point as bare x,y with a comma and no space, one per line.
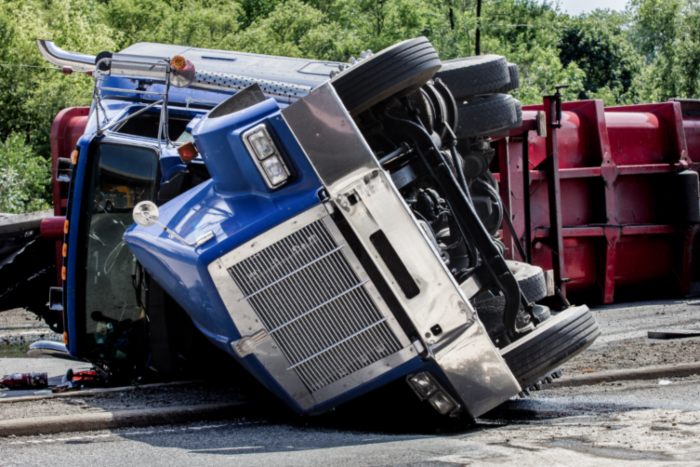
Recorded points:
131,91
218,81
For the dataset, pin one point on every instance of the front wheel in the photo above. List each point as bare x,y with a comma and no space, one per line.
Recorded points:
401,68
552,343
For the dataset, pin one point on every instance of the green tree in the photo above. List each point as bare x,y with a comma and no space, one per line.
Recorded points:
296,29
24,178
205,23
667,33
527,32
599,45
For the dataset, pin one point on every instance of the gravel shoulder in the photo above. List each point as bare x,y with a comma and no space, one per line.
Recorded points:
624,343
192,394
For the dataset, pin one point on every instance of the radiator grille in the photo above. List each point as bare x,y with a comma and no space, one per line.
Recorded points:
314,306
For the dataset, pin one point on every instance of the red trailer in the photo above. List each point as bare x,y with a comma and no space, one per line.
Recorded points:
609,200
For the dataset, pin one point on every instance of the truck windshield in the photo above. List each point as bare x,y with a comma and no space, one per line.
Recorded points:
122,176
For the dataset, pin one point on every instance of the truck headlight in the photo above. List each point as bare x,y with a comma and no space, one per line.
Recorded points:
426,387
423,384
443,403
266,156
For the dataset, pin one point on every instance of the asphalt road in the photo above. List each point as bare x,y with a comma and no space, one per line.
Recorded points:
633,423
615,424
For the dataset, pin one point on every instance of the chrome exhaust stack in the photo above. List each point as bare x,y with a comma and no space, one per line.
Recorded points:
65,59
178,73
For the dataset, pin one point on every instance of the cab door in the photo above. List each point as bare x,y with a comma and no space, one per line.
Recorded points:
104,320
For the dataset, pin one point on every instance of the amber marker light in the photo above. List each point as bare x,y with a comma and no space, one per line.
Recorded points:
74,156
65,227
178,62
64,250
183,73
64,273
188,152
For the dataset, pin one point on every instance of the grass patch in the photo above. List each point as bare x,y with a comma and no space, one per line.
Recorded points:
13,350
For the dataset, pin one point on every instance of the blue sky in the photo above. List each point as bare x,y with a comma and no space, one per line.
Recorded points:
575,7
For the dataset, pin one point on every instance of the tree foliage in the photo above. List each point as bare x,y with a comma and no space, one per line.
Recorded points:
24,177
599,46
649,52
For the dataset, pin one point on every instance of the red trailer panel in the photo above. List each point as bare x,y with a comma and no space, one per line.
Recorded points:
627,226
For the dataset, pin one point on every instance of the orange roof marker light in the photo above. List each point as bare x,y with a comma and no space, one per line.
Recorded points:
188,152
182,71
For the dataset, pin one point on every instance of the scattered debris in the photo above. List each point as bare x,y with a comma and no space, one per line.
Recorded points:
25,381
674,334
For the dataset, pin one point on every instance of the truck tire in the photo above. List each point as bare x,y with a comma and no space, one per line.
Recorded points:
488,116
514,82
471,76
552,343
402,67
530,279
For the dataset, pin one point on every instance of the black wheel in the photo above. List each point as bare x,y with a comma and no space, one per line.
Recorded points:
402,67
488,116
530,279
514,82
487,204
471,76
552,343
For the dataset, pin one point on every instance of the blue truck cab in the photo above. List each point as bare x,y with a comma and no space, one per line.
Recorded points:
308,218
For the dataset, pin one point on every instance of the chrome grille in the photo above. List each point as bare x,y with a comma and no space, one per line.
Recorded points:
314,306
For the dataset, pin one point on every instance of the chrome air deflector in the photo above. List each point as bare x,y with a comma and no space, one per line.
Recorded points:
308,311
371,205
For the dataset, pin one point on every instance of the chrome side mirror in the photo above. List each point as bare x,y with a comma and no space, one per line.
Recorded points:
146,213
50,349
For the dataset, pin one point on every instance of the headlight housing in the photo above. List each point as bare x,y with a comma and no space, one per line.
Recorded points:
266,156
426,387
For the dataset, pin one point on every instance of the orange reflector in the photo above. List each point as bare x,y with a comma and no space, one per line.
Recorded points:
65,227
178,62
187,152
64,251
65,337
74,156
64,273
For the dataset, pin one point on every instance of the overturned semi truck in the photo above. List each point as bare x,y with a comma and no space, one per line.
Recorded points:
331,227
